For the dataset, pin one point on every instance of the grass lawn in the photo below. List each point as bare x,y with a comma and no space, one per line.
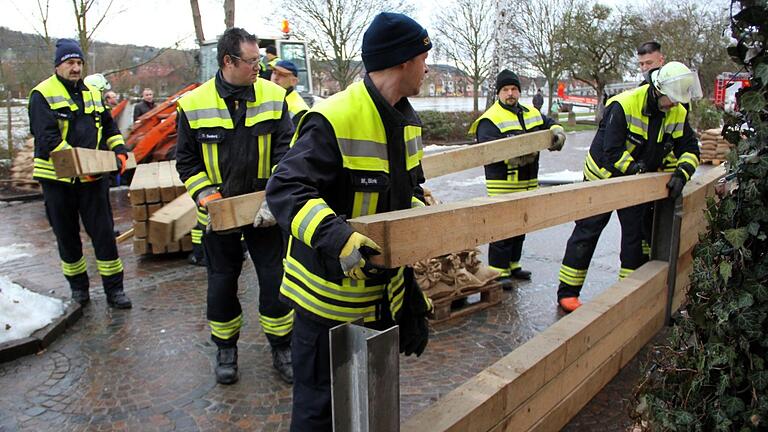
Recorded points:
578,127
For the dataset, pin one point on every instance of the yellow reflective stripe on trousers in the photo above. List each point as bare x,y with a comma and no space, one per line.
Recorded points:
196,183
211,160
265,156
75,268
503,272
226,330
415,202
514,266
364,203
624,272
109,268
202,216
115,141
572,276
277,326
197,235
308,218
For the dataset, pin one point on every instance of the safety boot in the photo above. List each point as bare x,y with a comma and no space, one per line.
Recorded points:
521,274
81,296
506,283
569,304
226,365
118,300
281,360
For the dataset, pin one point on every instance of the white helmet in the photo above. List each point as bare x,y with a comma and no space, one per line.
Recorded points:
676,81
98,81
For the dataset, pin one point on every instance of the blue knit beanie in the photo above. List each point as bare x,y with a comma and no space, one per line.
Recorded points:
65,50
392,39
289,66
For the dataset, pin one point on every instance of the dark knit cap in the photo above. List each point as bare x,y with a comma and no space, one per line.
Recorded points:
65,50
392,39
288,66
505,78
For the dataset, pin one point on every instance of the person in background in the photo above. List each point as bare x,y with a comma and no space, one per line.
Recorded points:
505,118
538,100
286,75
64,113
265,71
146,105
111,99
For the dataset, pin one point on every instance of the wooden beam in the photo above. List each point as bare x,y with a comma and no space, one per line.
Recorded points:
409,235
539,374
124,236
136,189
173,221
476,155
74,162
234,212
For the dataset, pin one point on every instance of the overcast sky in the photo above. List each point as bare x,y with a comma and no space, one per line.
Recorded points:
157,23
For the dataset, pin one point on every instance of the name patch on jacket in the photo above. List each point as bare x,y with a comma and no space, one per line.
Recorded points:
210,136
370,181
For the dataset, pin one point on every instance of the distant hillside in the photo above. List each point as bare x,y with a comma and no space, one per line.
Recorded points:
25,60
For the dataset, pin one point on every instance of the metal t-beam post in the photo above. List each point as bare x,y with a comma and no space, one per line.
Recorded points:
365,378
665,243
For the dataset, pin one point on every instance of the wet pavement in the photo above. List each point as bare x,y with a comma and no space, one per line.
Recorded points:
151,368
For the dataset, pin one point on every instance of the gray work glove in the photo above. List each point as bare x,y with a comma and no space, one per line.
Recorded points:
558,139
264,217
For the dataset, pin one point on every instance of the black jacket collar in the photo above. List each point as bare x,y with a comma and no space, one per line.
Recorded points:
227,90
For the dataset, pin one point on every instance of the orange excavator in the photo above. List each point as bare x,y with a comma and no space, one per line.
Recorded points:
153,136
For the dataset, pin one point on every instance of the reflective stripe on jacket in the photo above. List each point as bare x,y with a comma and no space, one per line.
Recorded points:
313,281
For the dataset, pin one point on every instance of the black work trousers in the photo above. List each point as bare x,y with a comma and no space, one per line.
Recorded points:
311,357
224,255
65,205
583,241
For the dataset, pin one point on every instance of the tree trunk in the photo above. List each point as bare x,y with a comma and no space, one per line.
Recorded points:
197,21
10,125
600,109
475,95
229,13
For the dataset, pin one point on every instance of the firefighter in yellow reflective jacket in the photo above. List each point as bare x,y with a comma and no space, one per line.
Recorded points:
232,131
509,117
65,113
356,153
639,129
286,75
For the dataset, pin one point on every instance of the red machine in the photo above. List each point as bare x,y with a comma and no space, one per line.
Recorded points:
726,86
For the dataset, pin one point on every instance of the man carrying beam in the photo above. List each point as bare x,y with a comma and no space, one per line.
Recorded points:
639,129
64,113
357,153
232,131
505,118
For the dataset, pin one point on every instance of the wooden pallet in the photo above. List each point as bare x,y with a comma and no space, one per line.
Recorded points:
490,295
714,162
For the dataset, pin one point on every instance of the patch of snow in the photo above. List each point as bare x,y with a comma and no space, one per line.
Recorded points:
23,311
466,182
14,251
565,176
581,148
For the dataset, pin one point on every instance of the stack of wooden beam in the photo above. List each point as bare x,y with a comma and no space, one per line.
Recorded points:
154,185
714,147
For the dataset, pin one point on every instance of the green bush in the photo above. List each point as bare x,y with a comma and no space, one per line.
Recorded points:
704,115
444,127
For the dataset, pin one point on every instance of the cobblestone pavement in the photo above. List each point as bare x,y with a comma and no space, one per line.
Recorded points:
151,368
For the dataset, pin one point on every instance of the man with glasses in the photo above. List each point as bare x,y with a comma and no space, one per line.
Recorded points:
232,131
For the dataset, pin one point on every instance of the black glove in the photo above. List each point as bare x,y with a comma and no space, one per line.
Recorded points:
414,330
675,184
636,168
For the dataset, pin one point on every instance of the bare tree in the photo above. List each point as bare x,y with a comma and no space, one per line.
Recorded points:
84,32
334,30
693,32
229,14
466,30
197,21
536,32
600,44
